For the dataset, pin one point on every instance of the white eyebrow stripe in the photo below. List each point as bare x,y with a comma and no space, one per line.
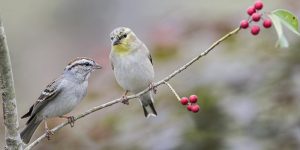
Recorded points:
78,62
82,61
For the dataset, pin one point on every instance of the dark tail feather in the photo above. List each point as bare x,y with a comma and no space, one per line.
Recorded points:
147,103
148,113
153,109
145,111
28,131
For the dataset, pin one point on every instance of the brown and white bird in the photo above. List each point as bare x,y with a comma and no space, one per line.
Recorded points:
60,96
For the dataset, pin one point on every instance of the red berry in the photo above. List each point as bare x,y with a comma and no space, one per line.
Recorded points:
195,108
267,23
189,107
244,24
258,5
184,100
193,98
255,29
251,10
256,17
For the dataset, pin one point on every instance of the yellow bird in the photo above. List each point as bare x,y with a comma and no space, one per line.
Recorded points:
132,65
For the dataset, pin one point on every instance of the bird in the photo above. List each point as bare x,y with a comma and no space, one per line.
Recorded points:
60,96
132,64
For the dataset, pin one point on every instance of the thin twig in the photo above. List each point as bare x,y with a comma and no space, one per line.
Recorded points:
110,103
173,90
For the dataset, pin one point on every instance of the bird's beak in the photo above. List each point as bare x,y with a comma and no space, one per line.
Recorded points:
116,41
97,66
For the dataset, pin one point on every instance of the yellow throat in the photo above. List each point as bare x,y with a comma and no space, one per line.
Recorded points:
121,49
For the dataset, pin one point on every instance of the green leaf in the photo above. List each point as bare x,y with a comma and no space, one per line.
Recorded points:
284,17
288,19
282,41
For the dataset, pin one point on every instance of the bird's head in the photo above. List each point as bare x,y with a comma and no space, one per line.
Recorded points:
81,67
123,40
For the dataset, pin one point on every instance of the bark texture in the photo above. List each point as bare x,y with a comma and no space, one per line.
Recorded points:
7,90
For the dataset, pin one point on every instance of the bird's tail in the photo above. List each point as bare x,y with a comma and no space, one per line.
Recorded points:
28,131
147,103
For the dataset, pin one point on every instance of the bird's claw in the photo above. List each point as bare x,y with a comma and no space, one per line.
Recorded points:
49,133
71,121
125,100
153,88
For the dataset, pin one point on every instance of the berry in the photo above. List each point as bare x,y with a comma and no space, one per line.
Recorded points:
193,98
258,5
195,108
251,10
256,17
189,107
184,100
267,23
255,29
244,24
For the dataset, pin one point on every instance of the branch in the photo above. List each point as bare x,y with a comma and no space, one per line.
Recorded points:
163,81
10,113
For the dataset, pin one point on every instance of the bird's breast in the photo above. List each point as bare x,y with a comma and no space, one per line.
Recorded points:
133,72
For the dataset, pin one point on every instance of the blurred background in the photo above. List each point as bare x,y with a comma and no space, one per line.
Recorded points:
249,90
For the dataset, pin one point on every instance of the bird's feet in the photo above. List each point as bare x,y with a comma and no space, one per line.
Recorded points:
49,133
71,120
124,98
153,88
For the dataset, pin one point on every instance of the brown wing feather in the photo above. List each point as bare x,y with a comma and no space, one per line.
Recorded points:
50,92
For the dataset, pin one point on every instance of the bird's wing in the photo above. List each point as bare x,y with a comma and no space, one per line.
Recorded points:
112,65
50,92
111,62
145,49
150,58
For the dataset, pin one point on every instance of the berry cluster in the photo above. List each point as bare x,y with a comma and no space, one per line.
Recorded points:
256,16
191,103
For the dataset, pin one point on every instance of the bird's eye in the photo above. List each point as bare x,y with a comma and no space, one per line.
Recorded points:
87,64
111,38
125,35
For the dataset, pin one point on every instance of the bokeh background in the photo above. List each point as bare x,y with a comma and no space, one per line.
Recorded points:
249,90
